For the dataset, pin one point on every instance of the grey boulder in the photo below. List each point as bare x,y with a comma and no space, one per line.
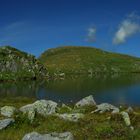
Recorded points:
126,118
71,117
6,122
7,111
106,107
51,136
89,100
43,107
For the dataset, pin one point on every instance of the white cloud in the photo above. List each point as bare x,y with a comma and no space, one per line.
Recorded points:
134,15
91,37
128,28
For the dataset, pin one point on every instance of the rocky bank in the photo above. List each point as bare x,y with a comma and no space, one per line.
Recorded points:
73,114
15,64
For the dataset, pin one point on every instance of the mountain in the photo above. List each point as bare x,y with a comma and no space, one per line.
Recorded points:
74,59
15,64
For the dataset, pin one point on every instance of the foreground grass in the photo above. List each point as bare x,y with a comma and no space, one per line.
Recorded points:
91,127
16,101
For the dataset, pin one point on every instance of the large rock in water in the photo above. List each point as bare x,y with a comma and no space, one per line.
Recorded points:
6,122
52,136
8,111
15,64
43,107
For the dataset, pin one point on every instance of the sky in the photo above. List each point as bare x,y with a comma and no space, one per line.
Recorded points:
37,25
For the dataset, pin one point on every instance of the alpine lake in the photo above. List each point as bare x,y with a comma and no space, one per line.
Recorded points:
117,89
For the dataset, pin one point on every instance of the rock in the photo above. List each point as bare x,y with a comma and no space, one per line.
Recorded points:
129,109
27,108
43,107
106,107
8,111
86,101
62,74
6,122
67,107
51,136
31,115
71,117
126,118
132,128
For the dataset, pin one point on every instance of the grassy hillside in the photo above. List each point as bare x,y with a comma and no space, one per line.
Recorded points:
71,59
15,64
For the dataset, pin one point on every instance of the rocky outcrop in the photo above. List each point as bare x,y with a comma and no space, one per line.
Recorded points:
15,64
6,122
106,107
74,117
8,111
86,101
43,107
51,136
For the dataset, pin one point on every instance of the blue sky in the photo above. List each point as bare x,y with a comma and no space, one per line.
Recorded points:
36,25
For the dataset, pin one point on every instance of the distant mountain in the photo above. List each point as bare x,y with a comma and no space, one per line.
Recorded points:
74,59
15,64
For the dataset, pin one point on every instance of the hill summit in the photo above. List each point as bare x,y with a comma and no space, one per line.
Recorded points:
76,59
15,64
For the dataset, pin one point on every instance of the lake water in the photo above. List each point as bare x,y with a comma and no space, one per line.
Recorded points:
115,89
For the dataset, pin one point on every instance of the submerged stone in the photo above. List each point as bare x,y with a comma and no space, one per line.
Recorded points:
51,136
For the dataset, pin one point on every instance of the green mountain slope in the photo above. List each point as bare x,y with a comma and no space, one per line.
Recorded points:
15,64
71,59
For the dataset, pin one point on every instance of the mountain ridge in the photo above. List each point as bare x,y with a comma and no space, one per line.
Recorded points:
81,59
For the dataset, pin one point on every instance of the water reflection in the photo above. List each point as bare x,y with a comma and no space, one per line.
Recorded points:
116,89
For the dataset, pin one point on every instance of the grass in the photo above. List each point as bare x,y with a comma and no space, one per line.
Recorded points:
16,101
72,59
92,126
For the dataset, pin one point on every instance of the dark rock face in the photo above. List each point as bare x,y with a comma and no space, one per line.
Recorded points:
15,64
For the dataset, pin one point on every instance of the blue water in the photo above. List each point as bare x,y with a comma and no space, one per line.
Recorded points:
115,89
